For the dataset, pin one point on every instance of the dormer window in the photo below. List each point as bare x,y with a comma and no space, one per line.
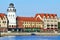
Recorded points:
44,17
3,18
55,16
51,16
47,16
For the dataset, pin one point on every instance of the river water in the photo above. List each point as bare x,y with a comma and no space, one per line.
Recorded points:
30,38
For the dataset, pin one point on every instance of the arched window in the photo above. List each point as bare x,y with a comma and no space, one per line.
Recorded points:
13,15
9,15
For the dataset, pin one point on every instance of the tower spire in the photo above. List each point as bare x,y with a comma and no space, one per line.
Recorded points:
11,15
11,8
11,5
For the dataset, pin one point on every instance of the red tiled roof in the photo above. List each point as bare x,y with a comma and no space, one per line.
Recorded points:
46,15
2,15
28,19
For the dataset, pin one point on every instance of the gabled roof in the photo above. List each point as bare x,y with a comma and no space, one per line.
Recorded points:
46,15
2,15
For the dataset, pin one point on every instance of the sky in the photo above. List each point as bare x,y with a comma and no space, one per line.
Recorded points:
31,7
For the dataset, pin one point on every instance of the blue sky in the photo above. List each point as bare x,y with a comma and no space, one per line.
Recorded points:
31,7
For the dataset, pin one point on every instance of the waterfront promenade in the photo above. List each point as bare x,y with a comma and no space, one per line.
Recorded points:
28,34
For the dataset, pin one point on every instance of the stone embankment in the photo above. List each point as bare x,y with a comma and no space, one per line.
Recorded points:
28,34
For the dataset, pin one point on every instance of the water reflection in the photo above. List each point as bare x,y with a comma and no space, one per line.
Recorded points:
30,38
7,38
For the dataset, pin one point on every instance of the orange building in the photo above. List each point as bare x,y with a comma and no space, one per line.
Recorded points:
29,24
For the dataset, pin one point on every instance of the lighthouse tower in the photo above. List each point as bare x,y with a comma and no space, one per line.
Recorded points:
11,16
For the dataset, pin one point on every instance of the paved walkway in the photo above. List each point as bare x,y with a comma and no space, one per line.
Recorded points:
27,34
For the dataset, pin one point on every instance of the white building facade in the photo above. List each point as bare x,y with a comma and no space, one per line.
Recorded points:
50,21
11,16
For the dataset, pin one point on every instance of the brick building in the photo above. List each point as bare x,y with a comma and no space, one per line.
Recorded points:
29,24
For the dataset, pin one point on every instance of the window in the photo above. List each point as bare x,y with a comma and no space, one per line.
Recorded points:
4,21
10,9
12,26
9,15
4,17
9,25
39,23
55,21
51,20
13,9
51,25
55,25
48,25
25,22
13,15
25,26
